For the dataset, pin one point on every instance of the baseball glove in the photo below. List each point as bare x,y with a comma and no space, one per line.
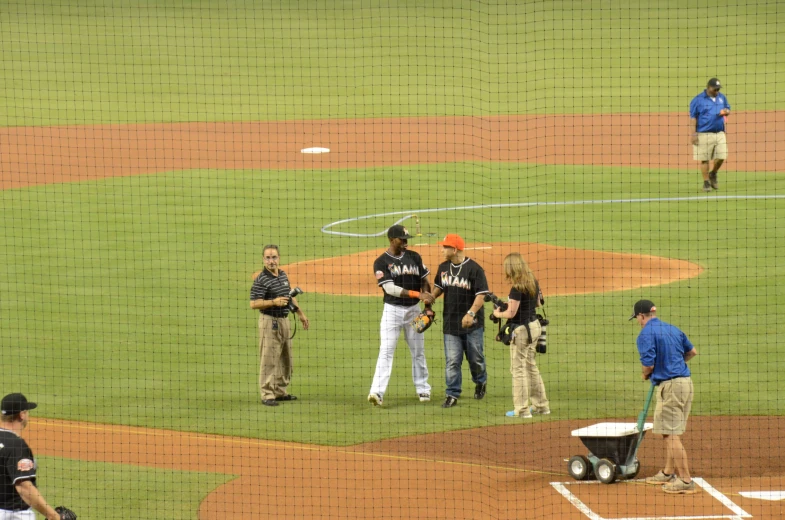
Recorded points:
65,513
424,320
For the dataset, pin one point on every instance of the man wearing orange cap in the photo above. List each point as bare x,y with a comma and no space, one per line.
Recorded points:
463,283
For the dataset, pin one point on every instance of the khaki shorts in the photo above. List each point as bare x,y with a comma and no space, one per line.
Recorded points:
710,146
674,401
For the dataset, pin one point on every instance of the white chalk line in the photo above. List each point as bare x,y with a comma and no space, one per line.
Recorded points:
412,212
738,512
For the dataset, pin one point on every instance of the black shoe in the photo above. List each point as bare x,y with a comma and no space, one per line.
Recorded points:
450,402
713,181
289,397
706,186
479,390
269,402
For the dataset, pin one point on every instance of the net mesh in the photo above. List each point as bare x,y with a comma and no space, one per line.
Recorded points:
149,151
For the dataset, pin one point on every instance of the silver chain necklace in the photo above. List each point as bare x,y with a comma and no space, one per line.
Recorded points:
459,269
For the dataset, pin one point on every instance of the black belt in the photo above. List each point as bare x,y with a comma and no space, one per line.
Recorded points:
273,315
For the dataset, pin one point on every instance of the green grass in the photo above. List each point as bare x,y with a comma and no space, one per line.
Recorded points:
145,61
128,296
97,490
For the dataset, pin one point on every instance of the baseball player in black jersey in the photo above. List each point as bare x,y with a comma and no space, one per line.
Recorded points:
18,492
270,295
404,279
463,283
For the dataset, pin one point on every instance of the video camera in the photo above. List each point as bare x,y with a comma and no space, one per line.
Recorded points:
502,306
292,293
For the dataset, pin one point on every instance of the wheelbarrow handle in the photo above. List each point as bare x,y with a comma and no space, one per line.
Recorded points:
645,412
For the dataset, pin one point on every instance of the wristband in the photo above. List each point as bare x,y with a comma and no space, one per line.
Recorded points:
414,294
472,314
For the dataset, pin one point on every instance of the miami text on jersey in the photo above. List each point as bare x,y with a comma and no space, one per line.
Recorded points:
455,281
398,270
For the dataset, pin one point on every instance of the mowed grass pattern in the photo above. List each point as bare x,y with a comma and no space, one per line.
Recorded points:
154,61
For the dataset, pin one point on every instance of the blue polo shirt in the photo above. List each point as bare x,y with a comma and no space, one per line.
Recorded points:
663,346
707,112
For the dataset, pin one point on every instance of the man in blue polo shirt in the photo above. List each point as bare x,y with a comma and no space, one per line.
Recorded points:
708,111
664,351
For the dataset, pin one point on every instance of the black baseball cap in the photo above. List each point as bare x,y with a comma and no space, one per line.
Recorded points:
714,83
642,307
398,231
13,404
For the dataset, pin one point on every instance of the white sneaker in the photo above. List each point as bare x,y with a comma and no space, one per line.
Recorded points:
375,399
547,411
424,398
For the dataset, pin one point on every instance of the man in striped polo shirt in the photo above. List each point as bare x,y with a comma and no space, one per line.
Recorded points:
270,295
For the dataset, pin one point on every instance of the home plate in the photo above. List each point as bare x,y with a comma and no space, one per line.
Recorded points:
764,495
315,149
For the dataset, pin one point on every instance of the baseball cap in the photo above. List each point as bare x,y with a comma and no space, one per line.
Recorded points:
642,307
13,404
398,231
453,240
714,83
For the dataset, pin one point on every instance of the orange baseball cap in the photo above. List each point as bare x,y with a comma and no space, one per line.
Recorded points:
453,240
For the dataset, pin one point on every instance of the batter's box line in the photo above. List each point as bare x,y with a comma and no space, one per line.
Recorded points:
738,512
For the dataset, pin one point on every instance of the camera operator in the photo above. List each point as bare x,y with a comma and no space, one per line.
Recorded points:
525,297
272,296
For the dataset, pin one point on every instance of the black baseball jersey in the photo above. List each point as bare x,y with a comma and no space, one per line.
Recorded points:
528,307
16,465
460,285
269,287
406,271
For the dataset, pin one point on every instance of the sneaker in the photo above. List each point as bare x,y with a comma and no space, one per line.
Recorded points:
375,399
449,402
479,390
660,478
269,402
424,398
288,397
713,181
679,487
544,411
526,415
706,186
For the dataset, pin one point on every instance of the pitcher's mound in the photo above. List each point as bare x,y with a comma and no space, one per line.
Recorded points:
560,270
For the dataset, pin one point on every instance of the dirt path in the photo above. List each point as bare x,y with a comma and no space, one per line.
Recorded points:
500,472
41,155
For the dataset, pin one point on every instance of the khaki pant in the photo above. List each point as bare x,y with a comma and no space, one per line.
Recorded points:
526,379
710,146
275,354
674,402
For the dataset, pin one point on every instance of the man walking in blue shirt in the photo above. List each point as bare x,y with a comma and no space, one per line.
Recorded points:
664,351
708,111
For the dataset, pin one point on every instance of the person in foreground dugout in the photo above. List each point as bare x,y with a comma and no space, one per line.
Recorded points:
18,492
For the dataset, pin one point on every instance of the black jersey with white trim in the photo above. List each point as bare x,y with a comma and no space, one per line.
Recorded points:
406,271
460,284
269,287
16,465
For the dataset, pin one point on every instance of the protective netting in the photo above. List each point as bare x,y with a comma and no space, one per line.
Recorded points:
151,150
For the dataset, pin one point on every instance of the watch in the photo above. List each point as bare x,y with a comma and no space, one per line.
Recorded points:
470,313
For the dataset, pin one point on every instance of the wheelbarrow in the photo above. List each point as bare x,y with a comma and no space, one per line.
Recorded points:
613,449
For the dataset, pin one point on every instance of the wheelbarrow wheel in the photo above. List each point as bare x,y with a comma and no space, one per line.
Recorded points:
606,471
578,467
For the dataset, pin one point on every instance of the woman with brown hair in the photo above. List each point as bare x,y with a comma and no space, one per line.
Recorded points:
525,297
